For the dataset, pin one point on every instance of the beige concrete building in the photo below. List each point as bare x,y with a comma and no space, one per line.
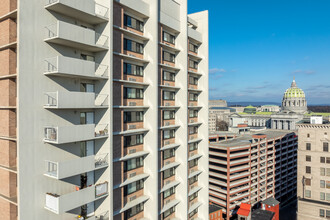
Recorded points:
313,169
103,110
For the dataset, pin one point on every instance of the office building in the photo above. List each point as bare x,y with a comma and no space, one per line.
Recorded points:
100,99
252,167
313,169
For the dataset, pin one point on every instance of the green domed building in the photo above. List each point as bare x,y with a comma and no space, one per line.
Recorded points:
250,109
294,100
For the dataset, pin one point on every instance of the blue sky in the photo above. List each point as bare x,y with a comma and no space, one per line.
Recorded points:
257,46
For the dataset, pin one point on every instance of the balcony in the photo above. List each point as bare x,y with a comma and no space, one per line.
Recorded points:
87,10
64,169
60,204
74,133
71,67
75,100
74,36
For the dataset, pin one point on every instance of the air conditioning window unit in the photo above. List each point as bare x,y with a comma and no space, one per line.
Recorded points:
132,198
132,103
167,104
167,84
132,79
167,142
132,175
167,201
167,162
192,121
131,126
167,182
167,124
132,151
132,55
192,154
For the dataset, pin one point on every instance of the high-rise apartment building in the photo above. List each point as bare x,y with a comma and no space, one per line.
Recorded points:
313,169
104,110
251,168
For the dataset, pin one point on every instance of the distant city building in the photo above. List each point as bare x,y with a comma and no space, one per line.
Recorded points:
215,212
218,103
250,168
294,106
313,169
270,108
219,118
269,210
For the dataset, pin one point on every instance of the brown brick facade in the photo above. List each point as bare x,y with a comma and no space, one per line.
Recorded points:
7,62
8,30
7,6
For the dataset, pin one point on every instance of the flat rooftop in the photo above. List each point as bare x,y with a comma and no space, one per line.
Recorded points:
260,214
246,139
214,208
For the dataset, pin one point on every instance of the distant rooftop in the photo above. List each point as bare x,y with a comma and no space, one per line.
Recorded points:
214,208
270,201
246,139
260,214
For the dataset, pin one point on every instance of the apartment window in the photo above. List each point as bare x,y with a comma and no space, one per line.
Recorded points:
133,93
193,80
193,213
168,212
168,37
168,154
193,113
169,172
328,159
193,163
133,46
133,23
133,117
322,159
167,134
169,57
328,213
193,146
169,95
87,57
322,196
193,130
133,164
169,192
328,171
328,184
321,212
328,196
168,76
193,48
193,97
308,169
133,140
322,184
193,180
325,147
131,69
308,158
308,135
308,182
322,171
168,115
134,211
193,64
133,187
308,194
193,196
308,146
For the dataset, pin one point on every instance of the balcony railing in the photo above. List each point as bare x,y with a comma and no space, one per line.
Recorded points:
60,204
88,10
60,170
68,66
65,99
72,35
74,133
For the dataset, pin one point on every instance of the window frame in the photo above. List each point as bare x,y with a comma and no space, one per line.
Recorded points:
138,93
171,78
139,24
138,140
172,38
171,114
133,46
170,135
139,162
170,58
129,66
129,115
170,97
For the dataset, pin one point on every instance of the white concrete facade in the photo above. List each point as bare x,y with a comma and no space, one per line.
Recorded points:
66,103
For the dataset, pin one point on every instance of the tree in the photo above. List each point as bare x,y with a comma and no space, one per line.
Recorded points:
221,125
